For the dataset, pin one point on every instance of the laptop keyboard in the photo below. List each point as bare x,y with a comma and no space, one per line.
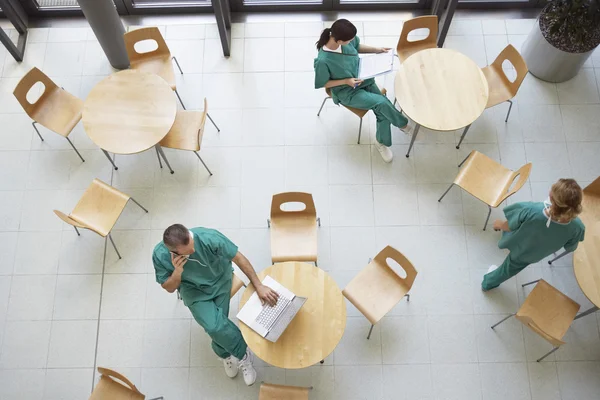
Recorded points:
268,315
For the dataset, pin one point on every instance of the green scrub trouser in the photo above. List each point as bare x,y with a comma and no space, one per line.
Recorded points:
213,316
370,98
509,268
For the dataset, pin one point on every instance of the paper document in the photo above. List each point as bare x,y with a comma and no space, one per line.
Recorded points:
371,65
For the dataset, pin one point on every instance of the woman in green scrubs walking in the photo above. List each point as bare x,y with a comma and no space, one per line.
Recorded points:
533,231
336,67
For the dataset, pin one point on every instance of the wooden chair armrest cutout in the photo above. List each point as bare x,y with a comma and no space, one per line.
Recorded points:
115,374
26,83
292,197
514,57
528,321
69,220
523,174
405,264
429,22
131,38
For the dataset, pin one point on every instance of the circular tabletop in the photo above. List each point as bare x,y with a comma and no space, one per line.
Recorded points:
129,112
317,328
441,89
586,262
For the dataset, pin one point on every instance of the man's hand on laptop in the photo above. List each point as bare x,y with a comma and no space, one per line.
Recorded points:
267,295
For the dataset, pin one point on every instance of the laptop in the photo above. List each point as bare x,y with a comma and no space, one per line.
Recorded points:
270,322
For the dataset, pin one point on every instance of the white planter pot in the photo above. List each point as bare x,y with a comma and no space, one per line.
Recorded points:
548,63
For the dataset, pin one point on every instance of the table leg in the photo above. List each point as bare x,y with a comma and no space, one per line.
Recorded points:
110,159
412,141
587,312
161,152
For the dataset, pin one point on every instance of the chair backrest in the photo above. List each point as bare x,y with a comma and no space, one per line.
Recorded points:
202,122
236,284
593,189
407,266
425,22
281,392
548,312
293,197
139,35
111,389
26,83
523,174
511,54
68,219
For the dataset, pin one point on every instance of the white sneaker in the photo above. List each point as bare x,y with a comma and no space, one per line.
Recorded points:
492,268
386,152
248,370
231,366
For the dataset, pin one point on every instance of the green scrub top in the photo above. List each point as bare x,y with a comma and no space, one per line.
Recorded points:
333,66
200,282
529,240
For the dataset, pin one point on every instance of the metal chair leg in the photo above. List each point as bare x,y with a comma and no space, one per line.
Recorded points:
561,255
370,330
36,129
268,223
509,108
463,136
113,243
488,217
110,159
319,221
447,190
359,130
407,297
77,230
547,354
412,141
503,319
179,97
157,398
463,161
178,66
141,206
162,154
203,163
213,122
322,104
158,156
74,148
530,283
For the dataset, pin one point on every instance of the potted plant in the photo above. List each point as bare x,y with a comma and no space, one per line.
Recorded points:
563,37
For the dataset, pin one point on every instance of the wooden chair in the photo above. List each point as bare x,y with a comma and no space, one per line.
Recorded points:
501,88
98,210
186,133
236,284
406,47
488,181
293,233
270,391
378,288
547,312
110,389
158,61
56,109
357,111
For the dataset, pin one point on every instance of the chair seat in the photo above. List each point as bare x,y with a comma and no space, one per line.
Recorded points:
360,113
281,392
184,132
60,112
484,178
375,291
293,239
236,285
409,50
160,65
100,207
550,310
498,91
107,389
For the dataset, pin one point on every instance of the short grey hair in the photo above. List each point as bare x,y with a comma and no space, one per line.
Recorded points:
176,235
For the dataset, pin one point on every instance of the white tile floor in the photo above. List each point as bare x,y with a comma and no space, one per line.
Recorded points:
67,304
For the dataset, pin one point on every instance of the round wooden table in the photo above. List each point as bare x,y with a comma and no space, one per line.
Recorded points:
441,89
586,264
317,328
129,112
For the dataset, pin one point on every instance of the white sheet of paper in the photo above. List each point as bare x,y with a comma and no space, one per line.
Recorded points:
371,65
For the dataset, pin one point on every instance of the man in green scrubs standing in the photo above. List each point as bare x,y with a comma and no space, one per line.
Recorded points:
198,263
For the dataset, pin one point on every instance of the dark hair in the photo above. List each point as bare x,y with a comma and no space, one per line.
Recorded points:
176,235
342,29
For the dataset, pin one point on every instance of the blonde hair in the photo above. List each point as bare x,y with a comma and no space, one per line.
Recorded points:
566,196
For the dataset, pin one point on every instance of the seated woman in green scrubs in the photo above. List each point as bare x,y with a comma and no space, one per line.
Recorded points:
336,67
197,262
533,231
